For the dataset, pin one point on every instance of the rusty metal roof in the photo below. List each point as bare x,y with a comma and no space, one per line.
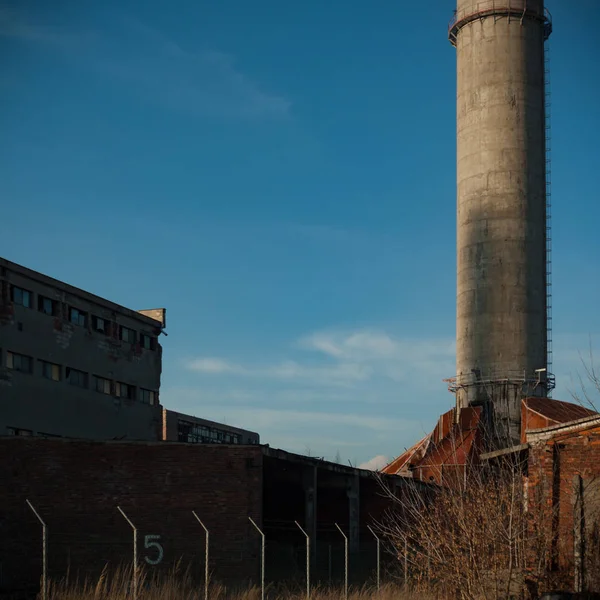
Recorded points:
451,443
557,410
415,453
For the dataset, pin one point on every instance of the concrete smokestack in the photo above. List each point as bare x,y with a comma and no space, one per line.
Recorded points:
502,262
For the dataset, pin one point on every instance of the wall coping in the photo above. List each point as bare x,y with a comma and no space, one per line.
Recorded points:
543,433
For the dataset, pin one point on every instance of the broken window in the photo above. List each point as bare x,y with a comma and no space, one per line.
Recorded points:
18,362
47,306
147,341
124,390
21,296
102,385
50,371
76,378
78,317
148,396
100,325
198,433
127,335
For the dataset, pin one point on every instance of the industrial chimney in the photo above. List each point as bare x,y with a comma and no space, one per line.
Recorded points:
503,266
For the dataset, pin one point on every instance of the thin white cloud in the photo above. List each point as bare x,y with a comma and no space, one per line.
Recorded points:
347,359
337,374
399,359
156,68
374,390
272,420
205,83
212,365
375,464
361,345
13,25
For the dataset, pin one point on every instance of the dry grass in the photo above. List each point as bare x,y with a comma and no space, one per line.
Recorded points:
179,586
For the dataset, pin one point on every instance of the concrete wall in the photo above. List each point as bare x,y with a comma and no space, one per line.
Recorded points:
318,494
501,218
32,402
171,428
76,487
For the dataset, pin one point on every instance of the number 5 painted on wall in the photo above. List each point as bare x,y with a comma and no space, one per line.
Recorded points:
149,543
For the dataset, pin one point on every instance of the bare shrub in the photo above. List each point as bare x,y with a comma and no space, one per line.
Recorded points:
480,538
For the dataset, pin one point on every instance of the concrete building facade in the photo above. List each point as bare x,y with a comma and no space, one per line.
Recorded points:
502,260
73,364
178,427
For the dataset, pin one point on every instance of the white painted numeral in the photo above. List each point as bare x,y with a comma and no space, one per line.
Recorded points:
149,543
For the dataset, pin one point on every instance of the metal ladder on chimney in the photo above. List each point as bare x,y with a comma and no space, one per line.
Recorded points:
547,107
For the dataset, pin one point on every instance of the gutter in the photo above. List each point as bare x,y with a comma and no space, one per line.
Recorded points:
543,433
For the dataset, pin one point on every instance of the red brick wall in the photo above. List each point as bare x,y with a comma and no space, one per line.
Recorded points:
553,465
76,486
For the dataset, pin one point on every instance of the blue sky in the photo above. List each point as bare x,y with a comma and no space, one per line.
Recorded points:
281,177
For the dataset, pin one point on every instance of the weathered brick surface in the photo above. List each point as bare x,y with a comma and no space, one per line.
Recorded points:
76,486
553,465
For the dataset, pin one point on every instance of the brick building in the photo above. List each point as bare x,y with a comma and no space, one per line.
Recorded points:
559,454
563,474
77,485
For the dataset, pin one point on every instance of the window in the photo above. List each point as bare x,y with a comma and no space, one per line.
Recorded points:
77,316
124,390
102,385
196,433
100,325
18,362
147,341
148,396
17,431
47,305
76,378
21,296
127,335
50,371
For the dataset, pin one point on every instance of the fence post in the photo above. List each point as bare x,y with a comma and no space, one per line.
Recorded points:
378,557
262,559
207,539
578,533
345,561
307,560
44,552
135,561
330,565
405,562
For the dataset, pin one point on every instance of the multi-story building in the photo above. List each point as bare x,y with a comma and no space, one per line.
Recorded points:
178,427
73,364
